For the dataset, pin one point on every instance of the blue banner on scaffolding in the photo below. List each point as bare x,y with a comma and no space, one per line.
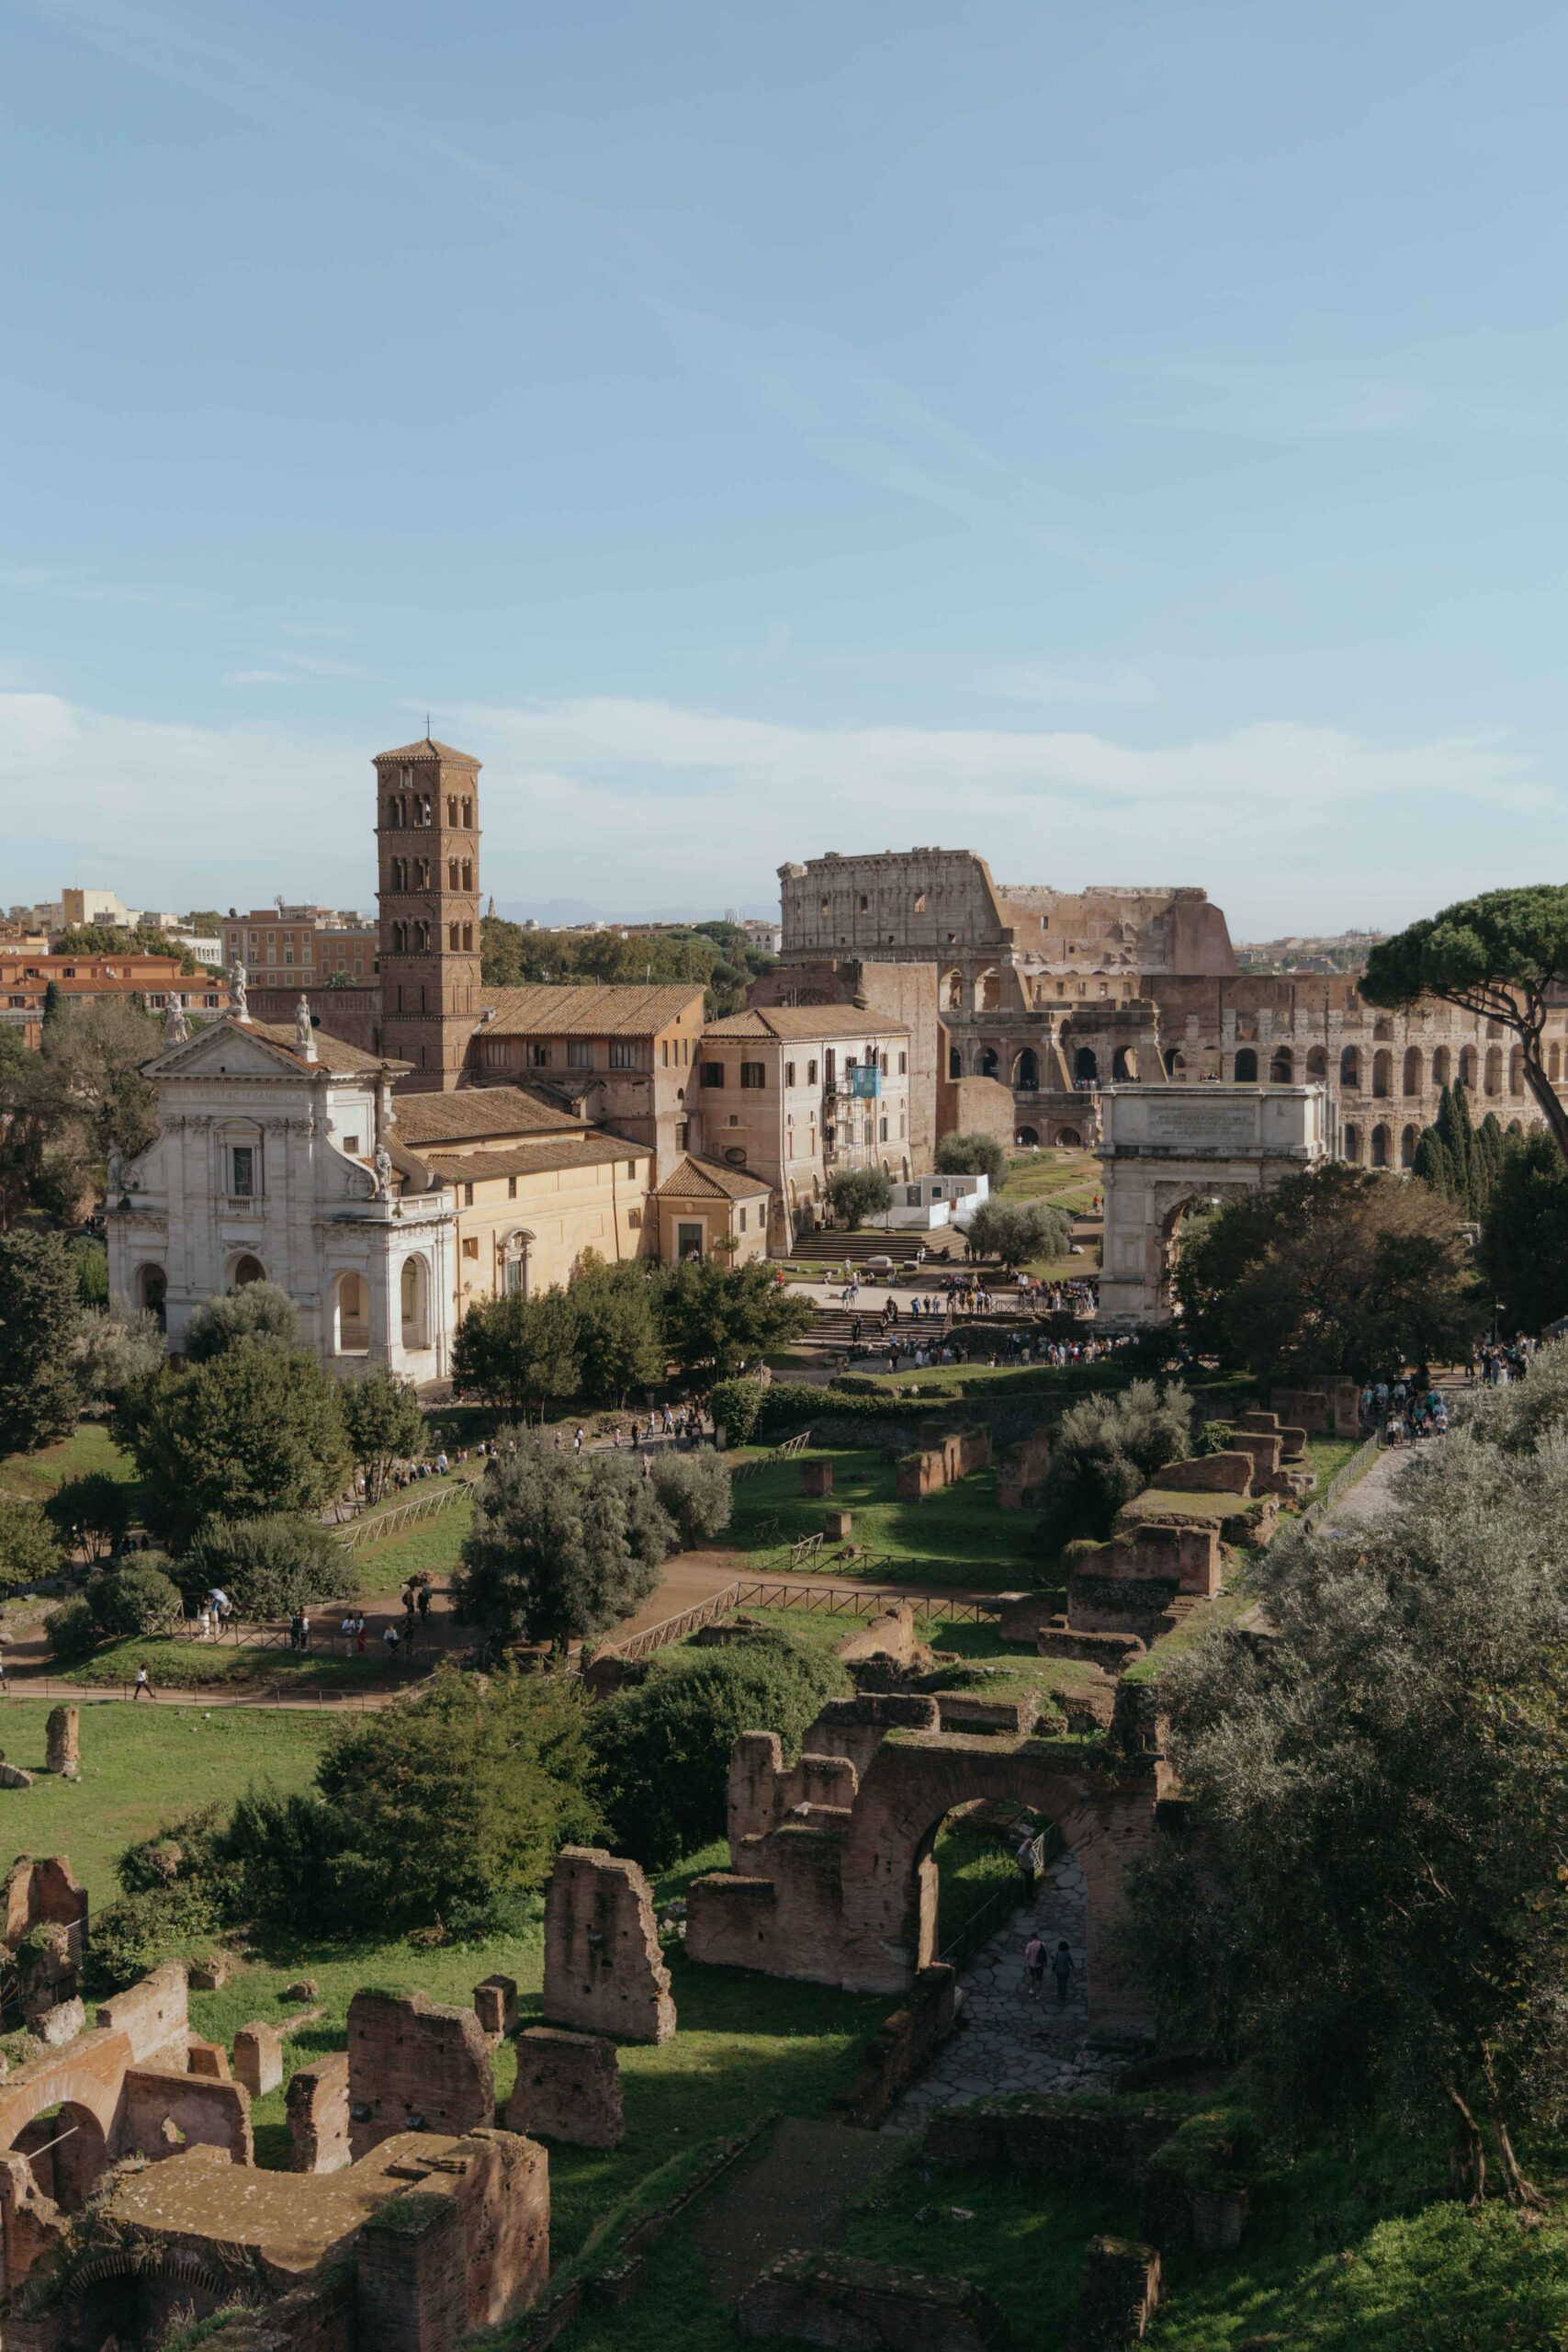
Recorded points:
865,1080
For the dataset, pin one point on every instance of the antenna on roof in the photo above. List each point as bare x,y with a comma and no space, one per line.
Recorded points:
427,734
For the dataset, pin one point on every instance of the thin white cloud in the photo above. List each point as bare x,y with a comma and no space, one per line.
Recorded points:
1032,682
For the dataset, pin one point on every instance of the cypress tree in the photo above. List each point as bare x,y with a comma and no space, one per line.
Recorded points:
1459,1136
1432,1164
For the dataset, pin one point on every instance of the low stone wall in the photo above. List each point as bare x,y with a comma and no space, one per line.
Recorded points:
162,2111
1322,1407
1209,1473
1061,2138
1140,1605
567,2087
834,2300
1021,1467
904,2045
940,1462
892,1636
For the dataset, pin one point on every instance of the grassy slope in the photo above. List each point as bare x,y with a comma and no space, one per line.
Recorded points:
89,1447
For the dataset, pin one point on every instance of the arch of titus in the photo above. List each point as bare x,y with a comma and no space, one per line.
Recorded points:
1163,1147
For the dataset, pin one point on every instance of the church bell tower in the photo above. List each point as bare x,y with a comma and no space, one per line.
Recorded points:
427,840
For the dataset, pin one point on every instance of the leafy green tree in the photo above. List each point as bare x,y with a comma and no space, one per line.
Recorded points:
1015,1231
1332,1270
619,1348
29,1549
973,1155
859,1194
562,1545
40,1314
256,1431
1524,1237
714,1319
1503,957
663,1744
91,1094
267,1567
384,1426
92,1513
520,1353
697,1491
1370,1901
261,1311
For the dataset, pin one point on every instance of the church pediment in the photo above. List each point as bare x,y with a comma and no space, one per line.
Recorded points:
226,1049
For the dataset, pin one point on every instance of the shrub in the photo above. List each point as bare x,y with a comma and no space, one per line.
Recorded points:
138,1932
1108,1449
28,1550
261,1311
268,1566
132,1600
790,1404
737,1404
257,1430
663,1744
72,1630
694,1489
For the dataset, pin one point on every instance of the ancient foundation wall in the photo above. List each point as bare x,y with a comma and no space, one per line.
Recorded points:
317,2104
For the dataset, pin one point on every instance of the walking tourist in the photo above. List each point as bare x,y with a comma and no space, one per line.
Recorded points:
142,1688
1062,1970
1035,1965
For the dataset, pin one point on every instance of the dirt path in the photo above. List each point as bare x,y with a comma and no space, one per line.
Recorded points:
793,2196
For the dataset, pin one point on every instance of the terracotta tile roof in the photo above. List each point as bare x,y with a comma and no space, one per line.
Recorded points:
704,1179
428,749
535,1158
593,1010
333,1054
807,1020
473,1112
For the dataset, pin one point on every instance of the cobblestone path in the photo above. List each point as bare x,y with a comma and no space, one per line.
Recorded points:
1006,2040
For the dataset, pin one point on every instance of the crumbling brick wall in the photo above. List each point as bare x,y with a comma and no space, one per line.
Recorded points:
163,2112
1209,1473
838,2300
414,2065
602,1969
567,2087
317,2104
1021,1466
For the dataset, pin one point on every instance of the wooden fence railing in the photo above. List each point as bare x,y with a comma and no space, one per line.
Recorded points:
377,1525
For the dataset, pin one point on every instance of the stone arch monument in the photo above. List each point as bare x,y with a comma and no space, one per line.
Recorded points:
1163,1146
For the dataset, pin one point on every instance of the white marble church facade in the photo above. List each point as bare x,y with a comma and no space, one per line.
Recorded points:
277,1160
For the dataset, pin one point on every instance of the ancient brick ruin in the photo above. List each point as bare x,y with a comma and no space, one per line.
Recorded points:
414,2065
317,2103
603,1971
940,1460
567,2087
832,1877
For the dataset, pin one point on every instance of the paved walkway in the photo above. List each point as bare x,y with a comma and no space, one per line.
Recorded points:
1373,1499
1006,2040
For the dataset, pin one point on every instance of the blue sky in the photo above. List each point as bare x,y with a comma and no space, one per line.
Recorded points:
1127,439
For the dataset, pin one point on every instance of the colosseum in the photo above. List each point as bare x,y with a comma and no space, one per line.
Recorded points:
1044,996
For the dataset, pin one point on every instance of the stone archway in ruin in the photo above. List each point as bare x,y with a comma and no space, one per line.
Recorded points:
887,1873
1163,1146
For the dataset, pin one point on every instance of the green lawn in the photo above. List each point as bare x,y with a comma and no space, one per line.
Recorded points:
141,1766
956,1537
89,1447
1066,1179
